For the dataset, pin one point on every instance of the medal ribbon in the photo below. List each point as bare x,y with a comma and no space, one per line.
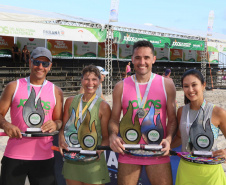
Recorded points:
188,124
80,111
141,101
29,89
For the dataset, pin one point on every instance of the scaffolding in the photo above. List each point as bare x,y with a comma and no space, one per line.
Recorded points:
108,59
203,61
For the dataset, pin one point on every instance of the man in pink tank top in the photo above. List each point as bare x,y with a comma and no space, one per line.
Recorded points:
31,157
159,94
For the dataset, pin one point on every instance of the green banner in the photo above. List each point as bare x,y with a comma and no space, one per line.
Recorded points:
130,38
158,42
187,44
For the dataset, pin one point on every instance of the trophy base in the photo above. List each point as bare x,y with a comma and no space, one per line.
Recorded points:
88,152
74,149
33,130
202,153
154,147
132,146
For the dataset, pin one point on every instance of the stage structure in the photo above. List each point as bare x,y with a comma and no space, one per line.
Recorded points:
21,22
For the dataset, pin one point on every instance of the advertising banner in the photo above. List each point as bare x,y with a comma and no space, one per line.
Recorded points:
176,54
162,53
125,51
85,49
6,44
60,48
101,50
159,42
217,47
189,55
199,56
213,57
31,43
129,38
187,44
114,11
51,31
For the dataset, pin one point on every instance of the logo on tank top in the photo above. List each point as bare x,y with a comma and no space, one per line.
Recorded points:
156,103
45,105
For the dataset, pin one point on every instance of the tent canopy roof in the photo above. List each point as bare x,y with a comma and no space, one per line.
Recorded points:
11,13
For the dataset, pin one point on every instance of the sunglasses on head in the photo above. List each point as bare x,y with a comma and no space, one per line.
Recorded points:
44,64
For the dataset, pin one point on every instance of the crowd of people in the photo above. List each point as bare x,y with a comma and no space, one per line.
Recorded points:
153,97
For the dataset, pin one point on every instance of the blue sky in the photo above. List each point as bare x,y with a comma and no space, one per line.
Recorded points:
181,14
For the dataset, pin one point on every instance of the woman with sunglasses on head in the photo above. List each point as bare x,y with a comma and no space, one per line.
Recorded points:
34,102
199,125
86,105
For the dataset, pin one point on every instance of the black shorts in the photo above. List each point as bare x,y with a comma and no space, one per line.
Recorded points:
129,73
39,172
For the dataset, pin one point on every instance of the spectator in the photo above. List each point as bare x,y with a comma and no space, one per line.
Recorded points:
16,52
25,54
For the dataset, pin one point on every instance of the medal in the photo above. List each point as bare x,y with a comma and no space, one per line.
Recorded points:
141,100
141,112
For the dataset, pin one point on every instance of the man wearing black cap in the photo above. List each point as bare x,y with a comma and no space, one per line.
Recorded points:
31,157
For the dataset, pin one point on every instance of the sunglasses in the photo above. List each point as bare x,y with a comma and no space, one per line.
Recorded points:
44,64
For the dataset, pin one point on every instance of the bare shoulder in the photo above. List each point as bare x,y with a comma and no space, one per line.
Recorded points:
10,88
69,100
169,82
58,91
179,111
118,88
219,112
118,85
104,105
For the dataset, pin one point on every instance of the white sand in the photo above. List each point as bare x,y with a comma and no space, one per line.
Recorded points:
217,96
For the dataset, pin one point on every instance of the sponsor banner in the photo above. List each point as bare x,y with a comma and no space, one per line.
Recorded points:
213,57
60,48
85,49
101,50
187,44
189,55
6,44
162,53
130,38
114,11
199,56
216,47
51,31
125,51
159,42
31,43
176,54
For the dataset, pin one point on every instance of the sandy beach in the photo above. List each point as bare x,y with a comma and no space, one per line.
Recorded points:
215,96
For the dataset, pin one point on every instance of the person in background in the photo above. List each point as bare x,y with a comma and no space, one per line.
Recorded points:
124,75
128,69
152,88
16,53
96,171
213,117
24,156
167,73
25,54
99,89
